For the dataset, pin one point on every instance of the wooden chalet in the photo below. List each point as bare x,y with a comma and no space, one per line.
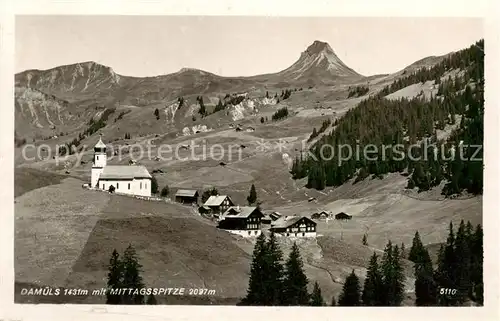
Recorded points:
187,196
295,226
321,215
244,220
342,216
218,204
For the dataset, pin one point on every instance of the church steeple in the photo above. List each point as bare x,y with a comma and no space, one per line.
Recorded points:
99,154
99,162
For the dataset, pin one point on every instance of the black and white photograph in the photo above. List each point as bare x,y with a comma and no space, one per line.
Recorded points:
249,161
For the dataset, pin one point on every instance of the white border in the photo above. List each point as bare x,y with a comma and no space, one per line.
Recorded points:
456,8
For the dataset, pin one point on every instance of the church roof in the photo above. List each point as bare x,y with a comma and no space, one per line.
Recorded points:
124,172
100,144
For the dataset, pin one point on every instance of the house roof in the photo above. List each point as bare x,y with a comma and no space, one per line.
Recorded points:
239,211
124,172
287,221
100,144
215,200
186,192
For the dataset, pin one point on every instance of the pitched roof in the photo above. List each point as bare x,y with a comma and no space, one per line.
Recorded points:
100,144
215,200
287,221
124,172
186,192
239,211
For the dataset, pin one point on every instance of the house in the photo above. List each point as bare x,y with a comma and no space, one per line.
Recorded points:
244,221
126,179
275,215
250,129
218,204
321,215
294,226
186,196
266,220
342,216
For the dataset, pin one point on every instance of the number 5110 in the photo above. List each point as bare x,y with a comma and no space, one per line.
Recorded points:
443,291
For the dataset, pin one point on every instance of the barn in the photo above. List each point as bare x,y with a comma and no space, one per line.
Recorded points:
342,216
186,196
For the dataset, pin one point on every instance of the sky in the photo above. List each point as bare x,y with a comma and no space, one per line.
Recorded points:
233,46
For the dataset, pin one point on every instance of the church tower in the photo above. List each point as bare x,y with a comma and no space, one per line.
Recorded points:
99,162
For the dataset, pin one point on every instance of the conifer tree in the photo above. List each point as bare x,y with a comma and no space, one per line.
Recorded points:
350,295
373,286
131,276
365,240
295,285
333,303
393,277
252,197
446,271
256,293
477,264
316,297
425,284
463,266
275,273
115,280
151,300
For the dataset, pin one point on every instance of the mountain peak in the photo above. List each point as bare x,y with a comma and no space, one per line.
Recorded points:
317,47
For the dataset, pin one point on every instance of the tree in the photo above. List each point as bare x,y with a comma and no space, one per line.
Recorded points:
373,287
350,295
295,285
165,191
316,297
115,270
393,277
207,193
157,114
425,285
416,250
154,185
333,303
275,273
262,120
257,291
111,189
365,241
131,276
252,197
151,300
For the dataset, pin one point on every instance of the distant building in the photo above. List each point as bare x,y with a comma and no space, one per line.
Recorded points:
321,215
275,215
266,220
218,204
244,221
342,216
294,226
132,179
186,196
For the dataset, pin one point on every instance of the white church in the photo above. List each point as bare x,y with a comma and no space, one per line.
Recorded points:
126,179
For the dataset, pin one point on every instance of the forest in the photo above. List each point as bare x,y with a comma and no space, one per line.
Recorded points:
412,126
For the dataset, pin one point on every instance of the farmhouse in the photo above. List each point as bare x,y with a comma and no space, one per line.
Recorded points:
275,215
218,204
244,221
296,226
132,179
321,215
186,196
342,216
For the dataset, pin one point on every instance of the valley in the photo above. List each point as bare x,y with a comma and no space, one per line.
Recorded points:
65,234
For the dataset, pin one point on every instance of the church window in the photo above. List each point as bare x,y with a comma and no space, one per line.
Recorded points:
97,157
128,185
103,186
117,185
140,185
